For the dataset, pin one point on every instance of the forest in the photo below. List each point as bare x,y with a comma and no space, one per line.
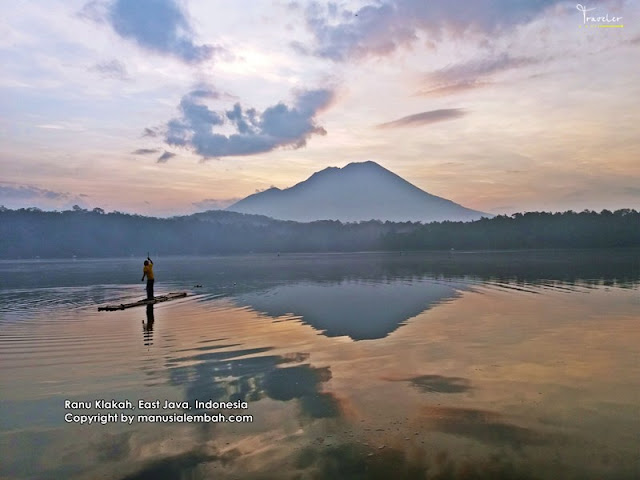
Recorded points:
81,233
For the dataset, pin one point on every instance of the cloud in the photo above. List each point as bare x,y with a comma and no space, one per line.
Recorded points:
19,196
151,132
425,118
73,127
215,203
165,156
300,48
256,132
145,151
470,75
443,91
382,27
51,126
111,69
95,10
28,192
204,91
157,25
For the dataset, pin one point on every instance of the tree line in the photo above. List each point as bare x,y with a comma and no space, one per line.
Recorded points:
31,233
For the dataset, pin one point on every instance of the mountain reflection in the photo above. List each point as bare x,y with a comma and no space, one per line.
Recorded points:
359,310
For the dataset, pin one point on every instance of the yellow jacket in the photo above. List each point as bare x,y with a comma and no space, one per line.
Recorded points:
148,271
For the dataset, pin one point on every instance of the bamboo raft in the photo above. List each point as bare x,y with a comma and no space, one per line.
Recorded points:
140,303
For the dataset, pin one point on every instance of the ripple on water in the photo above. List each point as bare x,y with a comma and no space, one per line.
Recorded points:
47,333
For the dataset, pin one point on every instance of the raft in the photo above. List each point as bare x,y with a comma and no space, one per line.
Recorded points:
140,303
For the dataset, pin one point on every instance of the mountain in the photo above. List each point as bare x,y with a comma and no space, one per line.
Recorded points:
357,192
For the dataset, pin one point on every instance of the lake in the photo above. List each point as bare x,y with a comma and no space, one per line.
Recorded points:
374,365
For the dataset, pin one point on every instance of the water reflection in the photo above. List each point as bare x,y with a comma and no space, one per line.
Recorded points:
481,425
186,465
243,375
347,460
359,310
147,327
352,460
481,366
439,384
35,286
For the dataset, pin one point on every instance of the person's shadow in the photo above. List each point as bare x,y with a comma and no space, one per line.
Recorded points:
147,327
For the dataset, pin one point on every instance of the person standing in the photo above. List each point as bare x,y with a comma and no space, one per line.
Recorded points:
147,271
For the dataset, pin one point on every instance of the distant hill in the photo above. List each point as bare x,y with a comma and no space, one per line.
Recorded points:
357,192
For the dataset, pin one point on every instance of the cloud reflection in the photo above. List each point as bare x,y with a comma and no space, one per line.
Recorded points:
481,425
440,384
237,376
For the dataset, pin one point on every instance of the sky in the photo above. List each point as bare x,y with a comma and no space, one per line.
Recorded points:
168,107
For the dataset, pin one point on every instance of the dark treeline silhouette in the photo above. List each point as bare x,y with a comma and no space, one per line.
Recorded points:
29,233
532,230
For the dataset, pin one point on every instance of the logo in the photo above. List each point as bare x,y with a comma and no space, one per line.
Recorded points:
598,21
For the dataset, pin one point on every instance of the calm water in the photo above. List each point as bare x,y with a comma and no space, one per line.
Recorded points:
442,366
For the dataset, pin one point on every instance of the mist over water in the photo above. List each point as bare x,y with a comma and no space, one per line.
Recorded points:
455,365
